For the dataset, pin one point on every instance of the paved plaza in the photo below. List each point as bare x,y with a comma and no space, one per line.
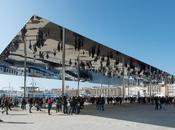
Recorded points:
119,117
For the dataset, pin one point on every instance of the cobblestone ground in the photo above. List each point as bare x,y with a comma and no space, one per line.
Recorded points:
124,117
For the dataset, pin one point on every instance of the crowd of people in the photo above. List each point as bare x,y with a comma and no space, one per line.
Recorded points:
59,104
73,105
6,104
159,102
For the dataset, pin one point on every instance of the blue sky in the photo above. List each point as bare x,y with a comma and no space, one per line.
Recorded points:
144,29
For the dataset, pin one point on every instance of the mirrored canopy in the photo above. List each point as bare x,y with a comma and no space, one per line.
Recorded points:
85,59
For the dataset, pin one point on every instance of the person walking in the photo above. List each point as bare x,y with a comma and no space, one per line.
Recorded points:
23,104
102,103
49,105
38,104
65,109
6,105
72,106
98,103
30,101
156,103
58,105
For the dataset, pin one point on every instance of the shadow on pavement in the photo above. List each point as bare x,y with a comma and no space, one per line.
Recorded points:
17,114
135,113
10,122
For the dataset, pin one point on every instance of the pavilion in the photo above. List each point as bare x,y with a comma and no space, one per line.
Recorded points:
45,49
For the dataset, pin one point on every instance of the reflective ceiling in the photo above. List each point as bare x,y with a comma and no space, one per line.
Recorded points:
91,61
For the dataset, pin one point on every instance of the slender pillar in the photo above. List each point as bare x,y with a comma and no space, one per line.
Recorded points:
123,94
128,85
150,81
150,89
78,89
78,85
63,61
165,90
108,86
25,60
101,89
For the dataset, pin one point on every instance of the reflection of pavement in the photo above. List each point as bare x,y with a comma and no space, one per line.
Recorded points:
124,117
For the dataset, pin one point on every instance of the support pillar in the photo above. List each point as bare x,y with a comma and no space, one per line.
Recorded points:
63,61
78,85
123,92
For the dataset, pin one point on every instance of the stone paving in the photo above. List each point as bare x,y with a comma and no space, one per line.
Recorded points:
119,117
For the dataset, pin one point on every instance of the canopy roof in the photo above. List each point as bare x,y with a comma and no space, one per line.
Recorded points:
96,63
